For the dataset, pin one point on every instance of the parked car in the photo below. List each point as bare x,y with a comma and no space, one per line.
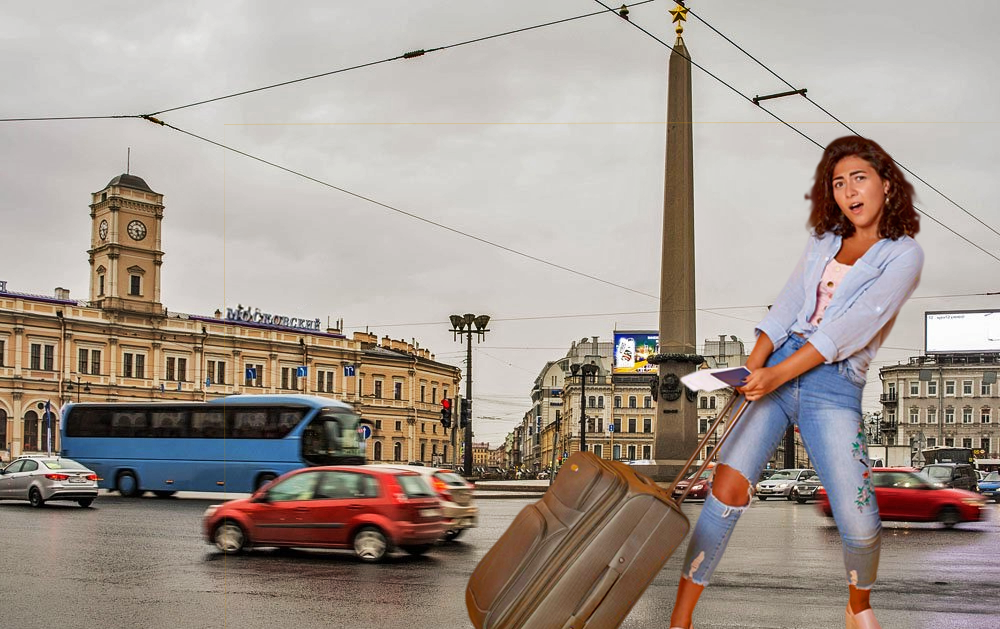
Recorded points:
905,495
954,475
455,494
371,509
805,490
781,482
990,486
39,479
700,489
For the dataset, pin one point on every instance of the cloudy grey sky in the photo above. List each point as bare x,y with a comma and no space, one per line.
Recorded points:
550,142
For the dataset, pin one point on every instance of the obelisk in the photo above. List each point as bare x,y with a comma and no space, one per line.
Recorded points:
676,414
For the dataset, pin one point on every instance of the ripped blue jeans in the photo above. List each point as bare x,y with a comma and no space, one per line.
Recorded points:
825,404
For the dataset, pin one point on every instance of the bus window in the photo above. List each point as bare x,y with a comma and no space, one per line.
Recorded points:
128,424
168,424
88,422
206,424
331,439
248,423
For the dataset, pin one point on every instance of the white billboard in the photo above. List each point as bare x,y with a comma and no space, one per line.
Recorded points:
962,331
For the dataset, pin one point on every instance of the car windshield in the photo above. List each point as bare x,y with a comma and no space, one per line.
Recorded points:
451,478
904,480
937,472
784,475
993,476
414,486
63,464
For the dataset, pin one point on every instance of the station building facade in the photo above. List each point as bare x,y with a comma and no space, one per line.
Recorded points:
122,344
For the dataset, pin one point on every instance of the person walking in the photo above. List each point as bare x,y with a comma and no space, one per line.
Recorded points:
809,365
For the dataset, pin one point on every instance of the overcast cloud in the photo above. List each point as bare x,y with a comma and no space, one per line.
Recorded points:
550,142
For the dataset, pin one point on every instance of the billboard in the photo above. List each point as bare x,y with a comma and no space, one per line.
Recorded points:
632,349
960,331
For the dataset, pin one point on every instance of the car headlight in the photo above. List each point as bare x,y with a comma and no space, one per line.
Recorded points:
783,485
698,487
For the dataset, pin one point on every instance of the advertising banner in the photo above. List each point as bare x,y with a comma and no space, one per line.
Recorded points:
632,349
962,331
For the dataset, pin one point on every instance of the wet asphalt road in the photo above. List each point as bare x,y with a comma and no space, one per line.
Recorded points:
143,563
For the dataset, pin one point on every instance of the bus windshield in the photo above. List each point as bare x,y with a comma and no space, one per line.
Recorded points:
237,443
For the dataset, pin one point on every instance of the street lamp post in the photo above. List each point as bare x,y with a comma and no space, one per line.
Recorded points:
85,388
584,371
468,325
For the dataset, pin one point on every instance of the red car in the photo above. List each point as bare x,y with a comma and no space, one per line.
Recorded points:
368,508
905,495
700,489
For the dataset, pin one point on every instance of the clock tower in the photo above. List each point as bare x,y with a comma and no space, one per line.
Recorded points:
125,254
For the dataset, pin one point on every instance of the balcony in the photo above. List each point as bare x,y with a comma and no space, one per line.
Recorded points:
888,398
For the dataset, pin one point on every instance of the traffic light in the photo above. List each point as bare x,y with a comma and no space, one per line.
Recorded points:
446,412
466,413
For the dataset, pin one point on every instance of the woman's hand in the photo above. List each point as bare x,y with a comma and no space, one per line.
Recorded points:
762,381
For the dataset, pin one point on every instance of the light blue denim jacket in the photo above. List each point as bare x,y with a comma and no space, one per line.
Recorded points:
864,305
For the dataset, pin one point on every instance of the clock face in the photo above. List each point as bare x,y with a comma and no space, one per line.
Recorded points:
136,230
103,230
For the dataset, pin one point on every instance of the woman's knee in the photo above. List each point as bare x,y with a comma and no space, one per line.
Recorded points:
730,487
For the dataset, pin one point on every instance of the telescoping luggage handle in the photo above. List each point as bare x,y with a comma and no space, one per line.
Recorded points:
744,405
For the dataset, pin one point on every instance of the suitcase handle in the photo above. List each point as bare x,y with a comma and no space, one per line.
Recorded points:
597,595
744,405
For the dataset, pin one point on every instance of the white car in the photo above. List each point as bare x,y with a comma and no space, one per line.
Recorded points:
781,483
455,494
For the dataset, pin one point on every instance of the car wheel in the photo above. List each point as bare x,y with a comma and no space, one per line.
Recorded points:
416,549
164,493
264,479
370,544
85,502
453,534
35,497
793,495
949,517
127,484
229,537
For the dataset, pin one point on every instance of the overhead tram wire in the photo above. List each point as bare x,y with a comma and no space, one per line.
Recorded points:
401,211
778,118
838,120
53,118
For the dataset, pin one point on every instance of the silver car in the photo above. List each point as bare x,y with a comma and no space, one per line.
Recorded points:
780,483
455,494
39,479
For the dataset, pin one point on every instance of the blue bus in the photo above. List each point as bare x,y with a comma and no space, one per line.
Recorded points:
234,444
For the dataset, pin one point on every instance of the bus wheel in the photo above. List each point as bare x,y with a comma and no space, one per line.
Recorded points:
164,493
127,484
264,479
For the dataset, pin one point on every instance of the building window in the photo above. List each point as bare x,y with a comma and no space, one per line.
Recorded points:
949,442
966,415
176,369
2,347
83,364
984,443
647,452
632,402
932,388
434,395
133,365
949,416
890,416
377,451
631,453
914,415
711,402
135,285
423,390
42,356
631,424
423,451
397,390
985,389
600,401
984,416
647,424
254,375
702,425
289,378
423,427
932,415
3,428
592,401
217,371
966,388
967,442
891,389
399,426
597,449
914,388
600,424
618,401
397,451
378,424
949,387
100,284
647,402
931,442
378,389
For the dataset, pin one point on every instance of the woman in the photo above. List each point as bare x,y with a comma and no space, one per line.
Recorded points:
810,360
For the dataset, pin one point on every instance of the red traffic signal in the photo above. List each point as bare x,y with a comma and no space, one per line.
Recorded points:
445,403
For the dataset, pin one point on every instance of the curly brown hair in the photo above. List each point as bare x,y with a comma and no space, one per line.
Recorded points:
899,218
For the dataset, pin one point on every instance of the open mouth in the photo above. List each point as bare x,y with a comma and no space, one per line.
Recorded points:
855,207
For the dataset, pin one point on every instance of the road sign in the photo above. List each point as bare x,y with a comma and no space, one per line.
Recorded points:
365,430
611,427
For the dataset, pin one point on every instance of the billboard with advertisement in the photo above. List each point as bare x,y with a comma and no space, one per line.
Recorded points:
962,331
632,349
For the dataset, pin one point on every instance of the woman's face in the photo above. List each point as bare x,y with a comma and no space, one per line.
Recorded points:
859,192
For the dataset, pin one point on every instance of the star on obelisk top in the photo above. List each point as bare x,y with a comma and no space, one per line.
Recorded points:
680,16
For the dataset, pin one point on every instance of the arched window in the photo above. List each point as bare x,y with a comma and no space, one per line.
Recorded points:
592,401
3,430
632,402
600,401
377,451
616,452
703,403
397,451
30,441
711,402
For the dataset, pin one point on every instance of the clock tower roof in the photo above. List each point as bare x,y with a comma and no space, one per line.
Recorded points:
130,181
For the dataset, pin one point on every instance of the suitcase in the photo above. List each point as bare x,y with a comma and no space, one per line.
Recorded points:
581,557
